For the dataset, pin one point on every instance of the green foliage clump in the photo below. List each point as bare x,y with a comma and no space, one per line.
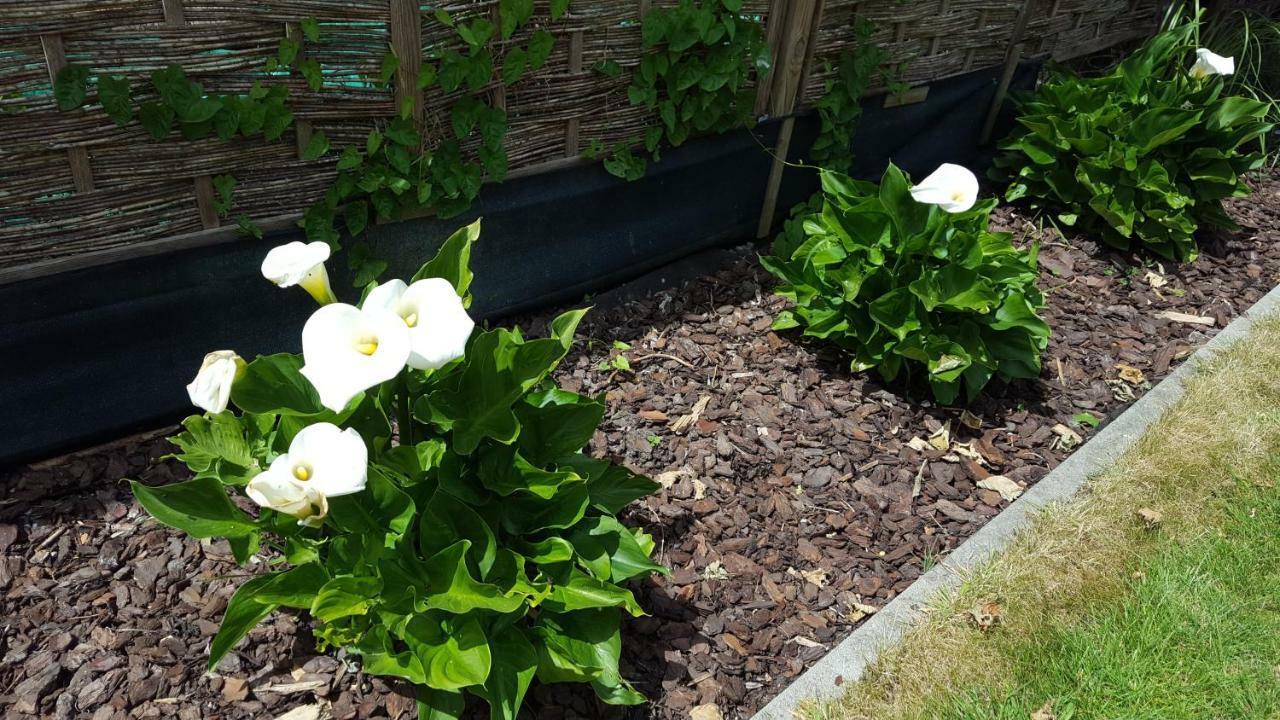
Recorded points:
908,287
840,107
701,57
1143,155
483,552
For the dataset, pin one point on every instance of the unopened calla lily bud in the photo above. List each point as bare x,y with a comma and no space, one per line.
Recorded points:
323,461
1210,63
438,323
346,350
951,187
298,263
211,388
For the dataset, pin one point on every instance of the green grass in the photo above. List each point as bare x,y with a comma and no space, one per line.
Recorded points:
1197,636
1105,617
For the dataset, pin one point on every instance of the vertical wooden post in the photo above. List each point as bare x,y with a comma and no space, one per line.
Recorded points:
301,128
55,59
1012,57
794,55
205,202
572,128
406,42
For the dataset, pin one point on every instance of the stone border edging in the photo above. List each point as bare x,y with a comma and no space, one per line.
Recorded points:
847,661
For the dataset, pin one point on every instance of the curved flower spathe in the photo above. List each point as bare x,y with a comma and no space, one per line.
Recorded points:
951,187
298,263
1210,63
323,461
432,311
346,350
211,388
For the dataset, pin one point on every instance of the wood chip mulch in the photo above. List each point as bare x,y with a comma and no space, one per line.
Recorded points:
797,499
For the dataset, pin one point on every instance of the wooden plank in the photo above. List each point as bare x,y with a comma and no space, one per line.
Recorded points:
1012,57
807,69
406,42
55,59
135,250
205,202
770,203
774,34
782,96
301,128
174,14
572,127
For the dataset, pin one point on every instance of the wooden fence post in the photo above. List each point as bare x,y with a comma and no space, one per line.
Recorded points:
1012,57
406,42
55,59
786,92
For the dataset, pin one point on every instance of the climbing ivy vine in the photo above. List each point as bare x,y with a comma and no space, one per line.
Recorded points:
701,57
840,107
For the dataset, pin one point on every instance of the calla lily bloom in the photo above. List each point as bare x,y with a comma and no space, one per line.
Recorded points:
323,461
347,350
951,187
1210,63
211,389
438,323
298,263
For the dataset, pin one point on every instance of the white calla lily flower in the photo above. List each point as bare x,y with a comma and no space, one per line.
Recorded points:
211,388
323,461
1210,63
951,187
298,263
438,323
346,350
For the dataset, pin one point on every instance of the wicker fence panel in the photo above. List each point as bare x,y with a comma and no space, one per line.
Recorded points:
73,183
931,40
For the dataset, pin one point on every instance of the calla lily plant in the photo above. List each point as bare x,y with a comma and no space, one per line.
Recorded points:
420,488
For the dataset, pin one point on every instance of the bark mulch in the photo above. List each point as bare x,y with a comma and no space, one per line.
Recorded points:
797,499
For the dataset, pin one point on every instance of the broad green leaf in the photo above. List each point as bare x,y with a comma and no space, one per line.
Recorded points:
117,102
274,384
453,260
610,487
344,596
382,508
440,704
453,650
554,426
446,520
515,661
216,445
244,611
199,507
71,87
500,367
583,592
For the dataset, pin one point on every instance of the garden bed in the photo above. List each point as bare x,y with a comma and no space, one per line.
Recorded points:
798,497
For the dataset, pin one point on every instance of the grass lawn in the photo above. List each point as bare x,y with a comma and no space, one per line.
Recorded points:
1107,613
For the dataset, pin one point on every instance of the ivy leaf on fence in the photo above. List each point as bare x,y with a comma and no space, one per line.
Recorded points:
225,185
157,119
540,46
559,8
71,87
310,29
313,74
317,146
115,95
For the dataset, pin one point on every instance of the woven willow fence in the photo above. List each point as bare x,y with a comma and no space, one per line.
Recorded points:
76,189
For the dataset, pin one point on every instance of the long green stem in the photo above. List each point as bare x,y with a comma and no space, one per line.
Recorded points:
404,416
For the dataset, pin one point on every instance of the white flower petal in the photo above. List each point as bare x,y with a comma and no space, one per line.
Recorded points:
347,350
441,326
386,296
336,461
276,489
951,187
211,388
1210,63
288,264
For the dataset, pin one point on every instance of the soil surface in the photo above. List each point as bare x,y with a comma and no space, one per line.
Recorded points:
798,497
